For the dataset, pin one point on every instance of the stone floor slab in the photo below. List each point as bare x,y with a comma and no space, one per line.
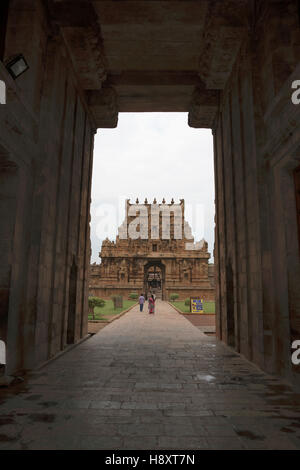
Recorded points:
150,382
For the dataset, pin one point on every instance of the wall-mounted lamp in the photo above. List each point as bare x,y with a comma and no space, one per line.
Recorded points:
17,66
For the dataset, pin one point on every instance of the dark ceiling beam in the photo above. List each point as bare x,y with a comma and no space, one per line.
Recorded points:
72,13
153,78
80,28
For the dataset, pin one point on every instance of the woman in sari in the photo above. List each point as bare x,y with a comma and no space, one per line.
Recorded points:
151,304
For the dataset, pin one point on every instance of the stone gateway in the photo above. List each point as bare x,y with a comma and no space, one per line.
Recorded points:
230,65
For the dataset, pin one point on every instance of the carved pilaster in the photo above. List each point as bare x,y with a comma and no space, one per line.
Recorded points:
203,108
103,105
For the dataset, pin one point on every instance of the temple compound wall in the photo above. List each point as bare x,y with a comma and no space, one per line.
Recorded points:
155,262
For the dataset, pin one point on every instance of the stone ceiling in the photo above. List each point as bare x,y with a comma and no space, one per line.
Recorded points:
141,56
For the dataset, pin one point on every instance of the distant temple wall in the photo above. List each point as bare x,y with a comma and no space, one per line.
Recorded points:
106,291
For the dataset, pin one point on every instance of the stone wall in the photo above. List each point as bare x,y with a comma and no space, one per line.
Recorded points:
184,293
8,190
100,287
256,140
46,157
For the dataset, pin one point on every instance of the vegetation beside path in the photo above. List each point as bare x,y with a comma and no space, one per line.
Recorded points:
208,307
107,312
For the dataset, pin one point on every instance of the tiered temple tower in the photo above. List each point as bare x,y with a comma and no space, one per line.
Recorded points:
154,252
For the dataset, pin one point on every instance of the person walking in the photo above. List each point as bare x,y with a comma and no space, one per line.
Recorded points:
151,304
141,302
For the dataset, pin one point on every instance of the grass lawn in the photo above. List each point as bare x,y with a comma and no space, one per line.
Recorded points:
108,311
208,307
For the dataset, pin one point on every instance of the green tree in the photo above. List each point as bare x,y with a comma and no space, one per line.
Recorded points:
174,297
133,295
95,302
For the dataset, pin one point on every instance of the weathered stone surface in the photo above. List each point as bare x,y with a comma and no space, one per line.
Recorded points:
131,391
46,132
257,248
203,109
104,107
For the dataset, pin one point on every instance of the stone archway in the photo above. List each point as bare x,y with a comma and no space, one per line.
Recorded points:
84,70
154,279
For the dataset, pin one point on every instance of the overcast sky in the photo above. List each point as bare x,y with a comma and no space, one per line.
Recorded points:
152,155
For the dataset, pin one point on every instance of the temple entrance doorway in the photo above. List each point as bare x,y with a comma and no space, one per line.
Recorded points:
154,279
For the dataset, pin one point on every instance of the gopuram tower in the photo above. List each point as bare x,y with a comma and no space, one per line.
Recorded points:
154,252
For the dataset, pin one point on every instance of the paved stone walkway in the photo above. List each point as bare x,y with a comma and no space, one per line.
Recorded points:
150,382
